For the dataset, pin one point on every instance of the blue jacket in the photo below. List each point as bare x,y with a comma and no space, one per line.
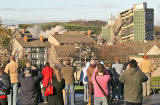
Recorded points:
83,76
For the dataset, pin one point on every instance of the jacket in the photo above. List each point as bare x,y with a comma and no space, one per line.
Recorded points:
83,76
57,97
5,84
103,82
12,70
146,66
68,74
132,79
117,70
29,88
47,73
90,72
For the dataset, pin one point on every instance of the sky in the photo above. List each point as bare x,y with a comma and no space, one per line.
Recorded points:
38,11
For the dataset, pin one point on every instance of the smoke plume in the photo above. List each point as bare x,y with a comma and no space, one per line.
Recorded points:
35,31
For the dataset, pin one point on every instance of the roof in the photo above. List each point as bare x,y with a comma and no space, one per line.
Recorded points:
65,50
33,43
129,48
74,39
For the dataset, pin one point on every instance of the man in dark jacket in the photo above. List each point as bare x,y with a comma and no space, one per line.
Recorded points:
132,78
29,87
5,86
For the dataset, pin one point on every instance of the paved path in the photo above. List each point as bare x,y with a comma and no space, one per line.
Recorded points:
151,100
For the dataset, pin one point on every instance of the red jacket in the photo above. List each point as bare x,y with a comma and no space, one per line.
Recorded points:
47,73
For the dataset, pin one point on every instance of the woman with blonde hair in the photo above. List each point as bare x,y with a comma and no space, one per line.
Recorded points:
58,86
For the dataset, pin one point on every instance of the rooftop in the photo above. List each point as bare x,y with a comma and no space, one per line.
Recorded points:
33,43
74,39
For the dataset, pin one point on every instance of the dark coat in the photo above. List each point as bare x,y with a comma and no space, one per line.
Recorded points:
5,84
29,87
57,97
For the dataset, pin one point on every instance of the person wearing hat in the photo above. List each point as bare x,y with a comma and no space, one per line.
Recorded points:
90,72
147,67
28,94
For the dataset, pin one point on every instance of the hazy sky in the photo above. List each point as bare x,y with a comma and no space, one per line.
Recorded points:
32,11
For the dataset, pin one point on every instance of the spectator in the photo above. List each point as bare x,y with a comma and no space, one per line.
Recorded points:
126,63
5,86
12,70
147,67
90,72
29,86
84,79
132,79
117,68
36,72
100,81
58,85
47,73
68,75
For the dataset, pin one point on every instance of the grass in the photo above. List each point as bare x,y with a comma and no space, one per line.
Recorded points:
79,87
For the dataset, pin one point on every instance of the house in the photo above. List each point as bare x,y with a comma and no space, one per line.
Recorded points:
35,50
63,46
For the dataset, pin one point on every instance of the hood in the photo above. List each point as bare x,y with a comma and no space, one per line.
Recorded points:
87,64
131,71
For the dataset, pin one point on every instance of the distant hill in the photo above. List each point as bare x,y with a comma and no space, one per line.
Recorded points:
88,23
79,25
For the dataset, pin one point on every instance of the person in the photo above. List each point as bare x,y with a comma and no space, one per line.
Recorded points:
117,68
29,87
58,85
125,64
132,78
12,70
68,75
36,72
147,67
100,77
84,79
90,72
47,73
5,86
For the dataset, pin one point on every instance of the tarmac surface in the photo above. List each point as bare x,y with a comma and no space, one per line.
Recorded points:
150,100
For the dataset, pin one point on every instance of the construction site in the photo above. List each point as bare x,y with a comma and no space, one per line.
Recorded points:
135,24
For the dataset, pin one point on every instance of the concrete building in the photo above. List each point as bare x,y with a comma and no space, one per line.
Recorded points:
135,24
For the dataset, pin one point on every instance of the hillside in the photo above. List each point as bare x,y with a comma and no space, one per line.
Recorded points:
79,25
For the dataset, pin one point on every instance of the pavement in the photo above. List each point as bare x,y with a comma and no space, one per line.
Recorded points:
149,100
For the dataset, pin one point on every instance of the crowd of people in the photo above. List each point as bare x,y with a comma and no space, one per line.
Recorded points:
55,86
113,82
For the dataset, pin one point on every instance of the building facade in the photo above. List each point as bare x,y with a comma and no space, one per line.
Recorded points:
138,23
35,50
135,24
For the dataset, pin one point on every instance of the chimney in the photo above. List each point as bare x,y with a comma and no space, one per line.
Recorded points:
22,30
89,32
25,38
41,38
55,33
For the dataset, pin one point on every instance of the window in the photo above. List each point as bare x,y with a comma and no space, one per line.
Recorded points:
34,56
41,49
34,49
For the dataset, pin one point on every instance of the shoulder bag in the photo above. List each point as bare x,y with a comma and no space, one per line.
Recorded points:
49,88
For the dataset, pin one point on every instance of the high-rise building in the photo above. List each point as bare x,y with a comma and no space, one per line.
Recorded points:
136,24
